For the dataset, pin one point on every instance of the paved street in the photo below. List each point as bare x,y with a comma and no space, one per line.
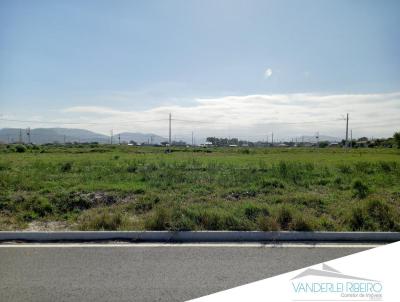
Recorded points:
145,272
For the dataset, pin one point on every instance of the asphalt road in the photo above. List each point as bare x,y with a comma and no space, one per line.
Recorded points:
142,272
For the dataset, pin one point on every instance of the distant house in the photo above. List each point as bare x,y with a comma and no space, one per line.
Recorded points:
334,144
362,144
233,145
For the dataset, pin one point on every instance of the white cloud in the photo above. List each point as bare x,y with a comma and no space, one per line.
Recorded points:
254,116
268,73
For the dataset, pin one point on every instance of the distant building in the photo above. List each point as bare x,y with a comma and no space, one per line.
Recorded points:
362,144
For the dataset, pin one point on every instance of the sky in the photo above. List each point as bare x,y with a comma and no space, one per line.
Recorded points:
221,68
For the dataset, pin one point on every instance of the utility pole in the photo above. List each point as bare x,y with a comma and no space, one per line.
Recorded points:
20,136
169,137
351,138
272,139
111,137
192,140
347,129
28,134
119,139
317,137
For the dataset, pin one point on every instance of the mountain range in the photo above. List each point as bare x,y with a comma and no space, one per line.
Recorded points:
61,135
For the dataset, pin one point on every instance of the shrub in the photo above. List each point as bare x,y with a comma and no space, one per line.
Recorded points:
283,169
267,224
102,220
360,189
364,167
374,215
322,181
159,221
381,214
66,167
357,219
338,181
387,166
139,191
74,201
285,217
34,207
131,169
252,212
345,169
301,224
20,148
146,203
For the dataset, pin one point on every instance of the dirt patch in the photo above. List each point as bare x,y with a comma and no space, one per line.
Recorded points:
37,226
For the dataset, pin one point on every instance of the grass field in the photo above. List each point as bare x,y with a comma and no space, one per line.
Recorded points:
136,188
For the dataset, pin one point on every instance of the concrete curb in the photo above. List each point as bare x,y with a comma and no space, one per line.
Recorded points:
201,236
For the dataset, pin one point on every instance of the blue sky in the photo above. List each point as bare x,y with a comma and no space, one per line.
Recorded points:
72,61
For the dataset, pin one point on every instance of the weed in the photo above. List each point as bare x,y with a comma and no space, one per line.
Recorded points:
102,220
360,189
66,167
285,217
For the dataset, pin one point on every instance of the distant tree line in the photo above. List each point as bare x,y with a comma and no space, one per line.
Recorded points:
362,142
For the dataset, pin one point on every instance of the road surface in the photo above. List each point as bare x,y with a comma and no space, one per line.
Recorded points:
129,272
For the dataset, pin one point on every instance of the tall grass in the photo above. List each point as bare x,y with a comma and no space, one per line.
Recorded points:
232,189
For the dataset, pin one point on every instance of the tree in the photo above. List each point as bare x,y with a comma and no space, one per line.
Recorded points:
396,137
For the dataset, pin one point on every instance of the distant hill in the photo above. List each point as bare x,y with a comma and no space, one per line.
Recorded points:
57,135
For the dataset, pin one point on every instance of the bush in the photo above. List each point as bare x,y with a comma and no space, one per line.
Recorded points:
301,224
159,221
285,217
131,169
252,212
374,215
267,224
35,207
357,219
102,220
20,148
360,189
66,167
146,203
217,219
345,169
381,214
68,202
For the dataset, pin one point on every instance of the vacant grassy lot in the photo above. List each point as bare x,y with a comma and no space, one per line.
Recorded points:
126,188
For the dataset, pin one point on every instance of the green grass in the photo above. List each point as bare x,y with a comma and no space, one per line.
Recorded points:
123,188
